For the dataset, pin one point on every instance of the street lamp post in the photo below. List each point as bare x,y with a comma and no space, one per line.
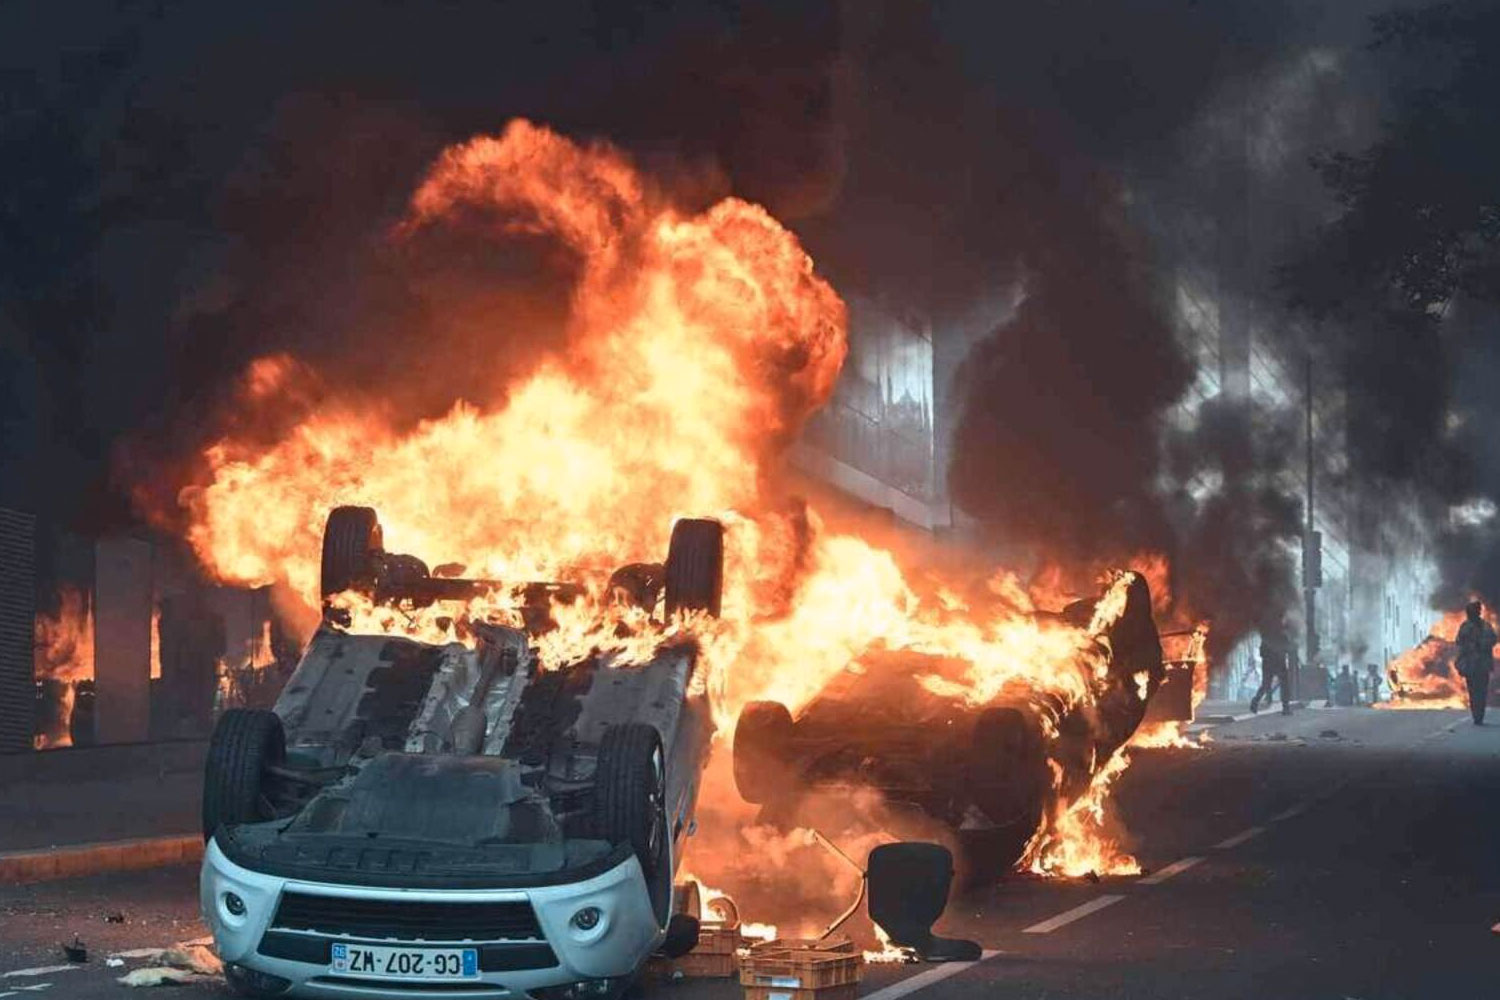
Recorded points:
1312,549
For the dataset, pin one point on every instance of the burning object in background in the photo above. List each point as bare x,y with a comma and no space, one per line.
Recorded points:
64,668
1426,676
699,343
996,759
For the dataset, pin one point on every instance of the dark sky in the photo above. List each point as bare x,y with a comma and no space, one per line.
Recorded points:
188,186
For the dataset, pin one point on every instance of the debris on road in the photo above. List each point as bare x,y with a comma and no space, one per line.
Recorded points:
114,918
76,952
183,963
160,976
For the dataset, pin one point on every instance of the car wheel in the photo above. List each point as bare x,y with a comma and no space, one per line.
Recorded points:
695,566
351,539
987,856
245,742
630,804
760,751
1006,765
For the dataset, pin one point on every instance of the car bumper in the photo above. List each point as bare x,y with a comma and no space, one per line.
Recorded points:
625,935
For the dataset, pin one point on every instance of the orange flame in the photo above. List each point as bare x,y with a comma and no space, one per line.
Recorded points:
1425,675
155,642
64,651
1077,841
698,345
1173,735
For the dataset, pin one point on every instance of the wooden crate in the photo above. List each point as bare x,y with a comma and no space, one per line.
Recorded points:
841,944
716,939
714,958
708,966
799,969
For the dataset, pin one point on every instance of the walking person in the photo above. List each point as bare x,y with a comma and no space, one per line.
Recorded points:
1476,657
1274,650
1372,683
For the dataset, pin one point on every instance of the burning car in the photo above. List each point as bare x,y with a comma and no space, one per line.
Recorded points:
991,772
414,817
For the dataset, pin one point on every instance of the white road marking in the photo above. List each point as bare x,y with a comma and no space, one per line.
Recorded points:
44,970
25,989
1240,838
1076,913
922,980
1296,810
1175,868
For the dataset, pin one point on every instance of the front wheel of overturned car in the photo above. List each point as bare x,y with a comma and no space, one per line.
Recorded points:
246,742
695,566
630,804
761,737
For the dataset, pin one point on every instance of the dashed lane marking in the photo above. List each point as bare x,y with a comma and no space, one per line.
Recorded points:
922,980
1450,727
1175,868
1076,913
1240,838
1296,810
43,971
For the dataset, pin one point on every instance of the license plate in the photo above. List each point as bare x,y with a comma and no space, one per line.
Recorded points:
405,963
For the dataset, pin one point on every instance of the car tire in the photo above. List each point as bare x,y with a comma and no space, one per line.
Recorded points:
695,566
760,740
351,539
245,743
1006,765
987,856
630,804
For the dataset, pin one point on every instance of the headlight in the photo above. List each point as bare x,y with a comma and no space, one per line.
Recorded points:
234,905
587,918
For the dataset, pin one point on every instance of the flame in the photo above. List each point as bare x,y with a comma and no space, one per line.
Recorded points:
1425,676
64,651
1076,841
888,954
155,641
1173,735
698,345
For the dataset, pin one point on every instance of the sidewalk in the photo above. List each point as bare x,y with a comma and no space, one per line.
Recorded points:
81,810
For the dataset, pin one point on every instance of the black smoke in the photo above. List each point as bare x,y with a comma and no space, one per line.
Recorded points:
192,186
189,187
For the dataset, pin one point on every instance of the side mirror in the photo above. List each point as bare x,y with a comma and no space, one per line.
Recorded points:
682,936
908,886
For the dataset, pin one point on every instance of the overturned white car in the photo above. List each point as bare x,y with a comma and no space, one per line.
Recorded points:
415,820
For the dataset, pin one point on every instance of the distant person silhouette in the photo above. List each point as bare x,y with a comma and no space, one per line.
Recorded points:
1274,658
1476,657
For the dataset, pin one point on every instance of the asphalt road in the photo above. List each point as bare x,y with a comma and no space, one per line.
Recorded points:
1282,863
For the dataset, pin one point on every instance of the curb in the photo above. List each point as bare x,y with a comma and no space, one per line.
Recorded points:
47,863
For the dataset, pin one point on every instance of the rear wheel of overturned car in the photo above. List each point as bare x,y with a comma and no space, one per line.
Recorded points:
630,804
760,746
1006,777
695,566
246,742
351,540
